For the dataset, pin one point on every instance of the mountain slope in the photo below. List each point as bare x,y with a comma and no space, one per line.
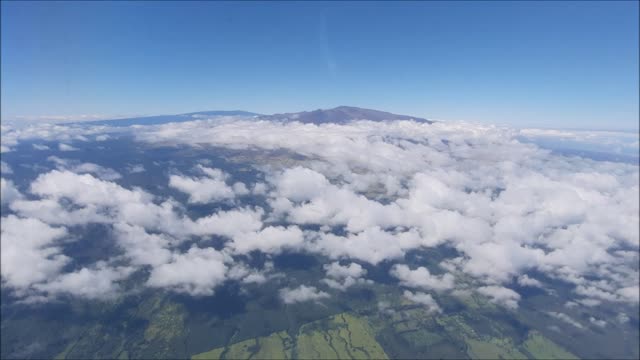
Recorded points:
163,119
339,115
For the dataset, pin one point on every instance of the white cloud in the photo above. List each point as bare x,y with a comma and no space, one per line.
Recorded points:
270,240
571,304
141,247
85,189
30,252
343,277
201,190
8,192
5,169
14,133
53,212
597,322
99,282
228,223
300,184
525,280
240,271
371,245
207,189
103,201
377,191
40,147
66,147
421,278
305,196
136,169
501,296
473,187
630,294
196,272
301,294
622,318
566,318
337,271
424,299
85,168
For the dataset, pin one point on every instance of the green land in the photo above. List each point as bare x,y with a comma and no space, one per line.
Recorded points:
341,336
350,336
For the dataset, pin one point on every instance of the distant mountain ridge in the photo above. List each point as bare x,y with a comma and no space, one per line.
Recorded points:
163,119
338,115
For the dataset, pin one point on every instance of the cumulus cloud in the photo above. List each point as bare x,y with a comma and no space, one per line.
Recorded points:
501,295
141,247
136,169
85,189
32,242
96,200
66,147
622,318
629,294
40,147
5,169
371,192
98,282
421,278
424,299
73,199
525,280
301,294
305,196
270,240
14,133
207,189
597,322
371,245
196,272
147,233
566,318
246,275
299,184
8,192
85,168
230,223
343,277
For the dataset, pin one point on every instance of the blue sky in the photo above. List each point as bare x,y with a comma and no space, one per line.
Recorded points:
545,64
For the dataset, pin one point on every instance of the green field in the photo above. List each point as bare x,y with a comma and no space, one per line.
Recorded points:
542,348
342,336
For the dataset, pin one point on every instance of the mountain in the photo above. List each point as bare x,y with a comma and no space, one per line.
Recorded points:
163,119
340,115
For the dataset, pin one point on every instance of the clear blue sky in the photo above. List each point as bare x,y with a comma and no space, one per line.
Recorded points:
548,64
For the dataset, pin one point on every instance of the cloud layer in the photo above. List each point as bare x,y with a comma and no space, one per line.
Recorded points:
365,193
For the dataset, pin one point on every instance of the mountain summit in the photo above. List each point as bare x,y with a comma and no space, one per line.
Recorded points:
339,115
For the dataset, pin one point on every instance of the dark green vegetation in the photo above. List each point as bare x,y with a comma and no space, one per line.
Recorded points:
370,321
